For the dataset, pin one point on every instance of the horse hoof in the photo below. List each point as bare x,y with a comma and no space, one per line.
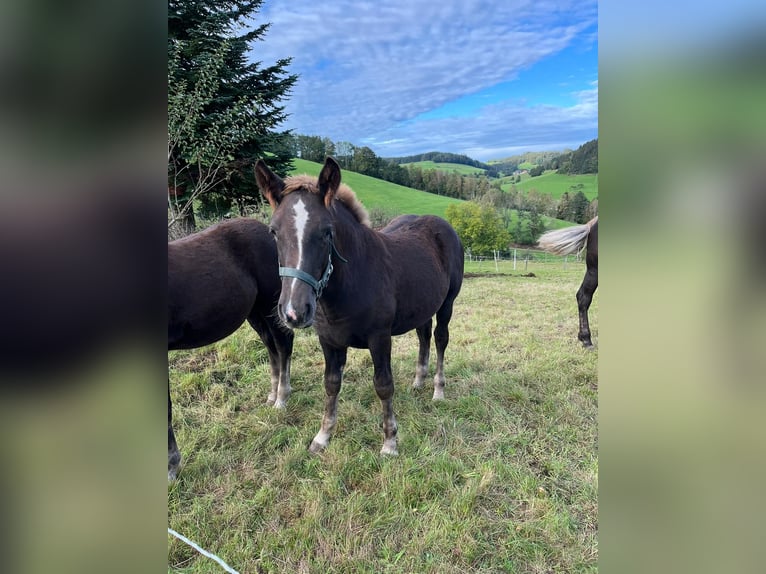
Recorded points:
270,401
417,385
389,451
174,463
281,405
316,448
438,395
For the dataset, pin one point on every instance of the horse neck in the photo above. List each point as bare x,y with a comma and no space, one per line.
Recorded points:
352,240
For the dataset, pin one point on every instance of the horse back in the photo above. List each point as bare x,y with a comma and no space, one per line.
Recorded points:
217,278
427,264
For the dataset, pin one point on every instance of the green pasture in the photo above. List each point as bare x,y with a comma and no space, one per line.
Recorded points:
556,184
499,477
376,193
446,167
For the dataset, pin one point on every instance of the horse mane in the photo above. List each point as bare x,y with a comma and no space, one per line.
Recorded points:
344,194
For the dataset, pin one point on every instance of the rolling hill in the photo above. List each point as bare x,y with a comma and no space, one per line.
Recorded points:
374,192
556,184
446,167
397,199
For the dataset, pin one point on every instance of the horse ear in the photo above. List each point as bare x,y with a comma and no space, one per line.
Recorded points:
329,180
270,184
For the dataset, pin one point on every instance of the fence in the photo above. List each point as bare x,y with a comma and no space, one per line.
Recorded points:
524,260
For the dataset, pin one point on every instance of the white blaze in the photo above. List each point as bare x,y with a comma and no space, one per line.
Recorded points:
301,219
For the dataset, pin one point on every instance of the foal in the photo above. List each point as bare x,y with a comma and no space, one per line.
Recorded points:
217,279
359,287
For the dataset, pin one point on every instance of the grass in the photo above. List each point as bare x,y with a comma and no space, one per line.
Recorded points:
556,184
396,199
376,193
499,477
446,167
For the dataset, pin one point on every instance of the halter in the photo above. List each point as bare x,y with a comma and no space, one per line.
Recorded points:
317,286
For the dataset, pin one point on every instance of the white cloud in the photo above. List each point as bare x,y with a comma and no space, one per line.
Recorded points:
367,67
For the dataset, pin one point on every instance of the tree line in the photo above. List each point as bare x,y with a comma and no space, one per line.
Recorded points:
446,157
361,159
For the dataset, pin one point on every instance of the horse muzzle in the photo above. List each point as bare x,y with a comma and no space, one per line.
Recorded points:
297,315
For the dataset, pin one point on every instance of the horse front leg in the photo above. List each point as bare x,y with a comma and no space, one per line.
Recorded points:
174,456
584,299
424,353
334,361
380,350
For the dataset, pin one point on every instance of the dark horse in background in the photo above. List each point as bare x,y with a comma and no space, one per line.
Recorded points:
217,279
359,287
571,240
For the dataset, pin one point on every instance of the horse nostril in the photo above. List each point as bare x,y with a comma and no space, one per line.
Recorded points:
291,314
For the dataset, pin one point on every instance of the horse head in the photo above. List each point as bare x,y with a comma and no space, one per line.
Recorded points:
303,228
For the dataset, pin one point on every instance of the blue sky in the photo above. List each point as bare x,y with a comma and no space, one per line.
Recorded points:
487,79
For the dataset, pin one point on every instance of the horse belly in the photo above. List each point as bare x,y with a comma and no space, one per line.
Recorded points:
199,317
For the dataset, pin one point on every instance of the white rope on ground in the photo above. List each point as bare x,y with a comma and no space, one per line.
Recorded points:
183,538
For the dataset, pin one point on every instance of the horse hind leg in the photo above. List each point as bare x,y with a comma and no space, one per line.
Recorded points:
283,342
441,338
584,298
380,350
174,456
424,353
280,390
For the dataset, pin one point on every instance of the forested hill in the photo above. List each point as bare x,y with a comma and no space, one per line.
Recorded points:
442,157
582,160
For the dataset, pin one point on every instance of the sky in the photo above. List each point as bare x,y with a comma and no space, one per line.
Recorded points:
488,79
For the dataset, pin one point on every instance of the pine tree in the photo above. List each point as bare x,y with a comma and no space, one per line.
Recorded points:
235,104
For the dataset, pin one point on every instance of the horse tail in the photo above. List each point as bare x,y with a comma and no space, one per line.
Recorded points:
568,240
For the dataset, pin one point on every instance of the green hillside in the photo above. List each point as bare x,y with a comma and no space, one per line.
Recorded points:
557,184
396,198
378,193
446,167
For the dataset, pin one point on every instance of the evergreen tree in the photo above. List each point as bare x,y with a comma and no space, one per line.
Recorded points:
237,103
580,205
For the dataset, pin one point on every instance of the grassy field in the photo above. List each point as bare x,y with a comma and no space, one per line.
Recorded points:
499,477
376,193
396,199
556,184
446,167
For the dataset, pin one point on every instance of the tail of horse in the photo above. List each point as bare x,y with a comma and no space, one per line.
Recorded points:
568,240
